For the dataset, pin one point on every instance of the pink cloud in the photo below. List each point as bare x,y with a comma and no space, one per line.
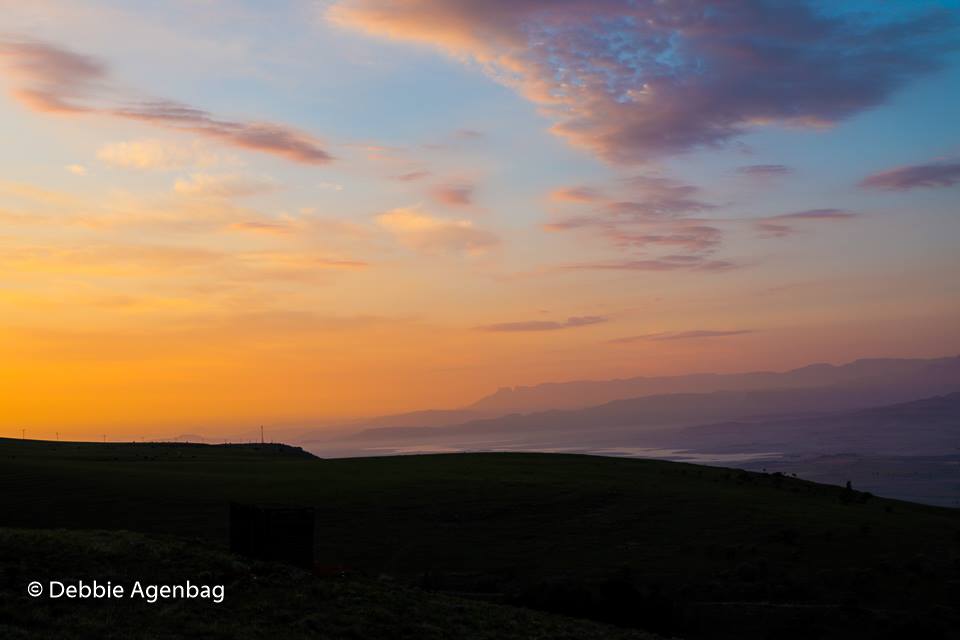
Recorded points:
458,195
576,194
49,79
632,80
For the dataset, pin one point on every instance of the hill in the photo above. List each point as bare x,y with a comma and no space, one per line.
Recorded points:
679,549
260,600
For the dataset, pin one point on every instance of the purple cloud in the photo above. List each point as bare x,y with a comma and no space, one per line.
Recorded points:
817,214
934,174
765,171
631,80
781,225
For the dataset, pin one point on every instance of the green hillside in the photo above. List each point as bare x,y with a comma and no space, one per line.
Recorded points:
675,548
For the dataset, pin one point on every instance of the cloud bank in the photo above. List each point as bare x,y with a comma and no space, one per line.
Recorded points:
631,80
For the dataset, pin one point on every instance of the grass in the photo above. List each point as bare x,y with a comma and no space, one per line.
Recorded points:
676,548
261,600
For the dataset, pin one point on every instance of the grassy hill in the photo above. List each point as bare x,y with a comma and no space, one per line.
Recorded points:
674,548
261,600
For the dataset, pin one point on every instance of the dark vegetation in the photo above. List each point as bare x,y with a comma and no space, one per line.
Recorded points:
262,600
678,549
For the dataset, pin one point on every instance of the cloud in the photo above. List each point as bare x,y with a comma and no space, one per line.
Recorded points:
773,229
765,171
107,260
654,216
412,176
458,195
264,228
817,214
49,79
652,199
681,335
666,263
428,234
544,325
576,194
153,155
935,174
631,80
691,237
77,169
779,226
204,185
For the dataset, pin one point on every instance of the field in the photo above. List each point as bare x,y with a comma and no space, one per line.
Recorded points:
672,548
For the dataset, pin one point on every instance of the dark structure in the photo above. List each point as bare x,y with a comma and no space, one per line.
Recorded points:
274,533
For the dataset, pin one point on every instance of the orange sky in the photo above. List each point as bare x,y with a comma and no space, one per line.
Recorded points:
213,218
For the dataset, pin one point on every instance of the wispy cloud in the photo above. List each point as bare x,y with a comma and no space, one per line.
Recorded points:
681,335
633,80
205,185
412,176
576,194
429,234
665,263
50,79
934,174
453,194
154,155
687,236
650,199
543,325
782,225
263,228
764,171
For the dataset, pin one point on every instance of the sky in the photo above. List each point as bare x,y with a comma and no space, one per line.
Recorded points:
215,215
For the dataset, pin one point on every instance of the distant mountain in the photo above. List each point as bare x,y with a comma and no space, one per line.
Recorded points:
930,426
429,418
635,420
586,393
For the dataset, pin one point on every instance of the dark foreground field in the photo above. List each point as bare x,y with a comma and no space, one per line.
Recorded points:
676,549
263,600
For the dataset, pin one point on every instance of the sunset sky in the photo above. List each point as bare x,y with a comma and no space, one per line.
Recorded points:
220,214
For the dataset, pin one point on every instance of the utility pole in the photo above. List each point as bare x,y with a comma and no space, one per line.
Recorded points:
261,434
23,434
